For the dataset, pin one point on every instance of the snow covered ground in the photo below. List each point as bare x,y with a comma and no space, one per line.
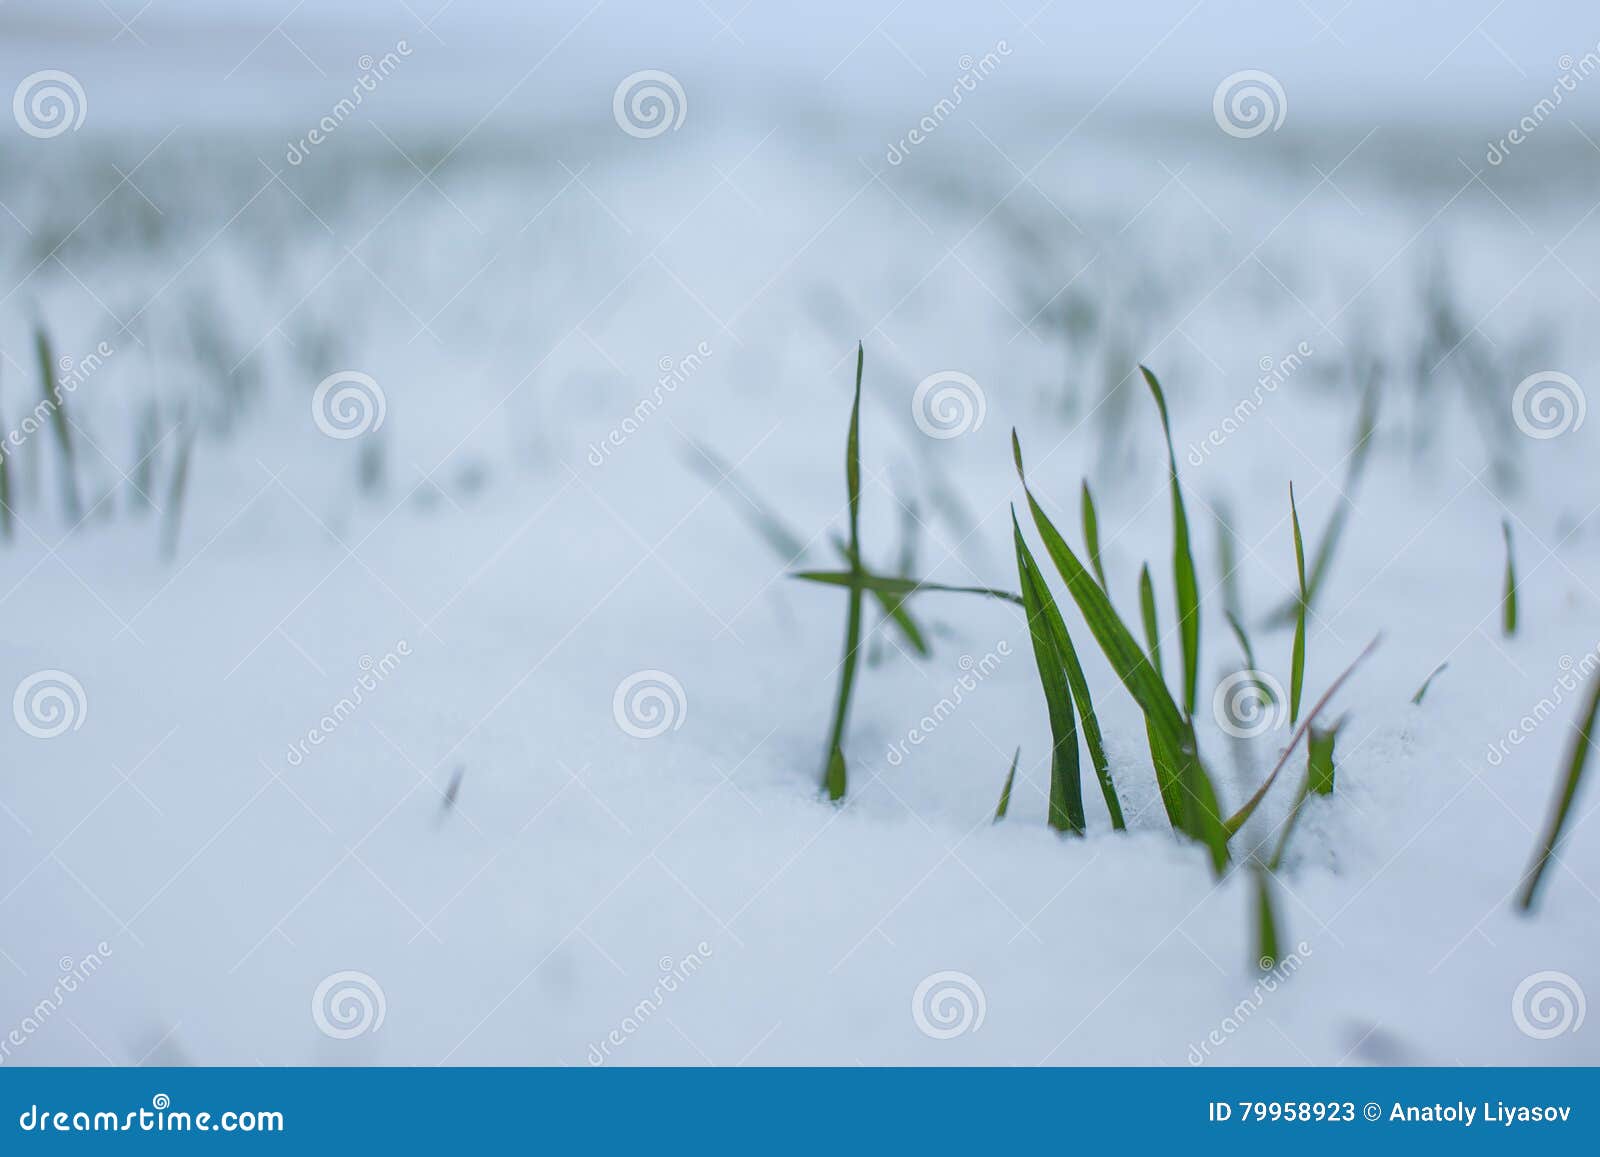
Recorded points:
353,774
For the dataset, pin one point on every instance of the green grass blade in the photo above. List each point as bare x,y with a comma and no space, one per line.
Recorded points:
896,587
1577,757
1266,921
1185,583
1508,602
1172,747
835,776
1091,535
1426,683
1078,682
1066,783
1147,612
58,417
892,605
1297,660
1005,793
1319,759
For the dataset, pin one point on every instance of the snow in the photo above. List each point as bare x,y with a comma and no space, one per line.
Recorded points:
514,311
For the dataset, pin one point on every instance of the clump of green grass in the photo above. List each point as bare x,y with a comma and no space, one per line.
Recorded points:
1577,759
1047,631
1508,600
1185,787
1240,817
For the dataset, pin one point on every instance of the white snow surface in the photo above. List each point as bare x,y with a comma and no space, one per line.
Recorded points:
513,309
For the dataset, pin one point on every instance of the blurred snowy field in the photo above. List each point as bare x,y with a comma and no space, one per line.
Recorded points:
348,771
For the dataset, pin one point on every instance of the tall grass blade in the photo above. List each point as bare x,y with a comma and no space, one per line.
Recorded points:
1577,757
57,404
1297,660
1147,612
1508,601
835,775
896,587
1077,681
1091,535
1005,793
1186,585
1426,683
1066,784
